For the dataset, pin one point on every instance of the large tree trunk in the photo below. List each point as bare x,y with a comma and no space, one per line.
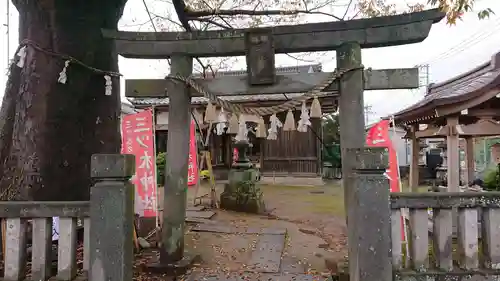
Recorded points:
50,130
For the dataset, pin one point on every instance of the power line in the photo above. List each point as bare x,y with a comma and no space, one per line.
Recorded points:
149,15
457,49
466,43
470,41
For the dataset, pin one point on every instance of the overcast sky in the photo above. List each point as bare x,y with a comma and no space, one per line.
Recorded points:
449,50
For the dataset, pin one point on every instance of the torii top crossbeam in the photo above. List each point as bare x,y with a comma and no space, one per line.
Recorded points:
368,33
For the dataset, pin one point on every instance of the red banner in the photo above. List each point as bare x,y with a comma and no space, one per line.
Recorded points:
378,136
138,139
192,164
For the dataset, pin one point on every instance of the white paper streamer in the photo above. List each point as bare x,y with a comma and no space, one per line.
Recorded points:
108,85
304,121
242,134
63,77
221,122
22,57
275,123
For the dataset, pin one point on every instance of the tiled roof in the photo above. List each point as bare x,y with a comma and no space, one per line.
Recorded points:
459,88
203,100
240,98
127,108
279,70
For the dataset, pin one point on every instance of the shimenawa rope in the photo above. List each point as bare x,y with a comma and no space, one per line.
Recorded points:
261,111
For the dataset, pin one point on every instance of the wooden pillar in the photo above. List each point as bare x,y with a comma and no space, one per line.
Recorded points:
469,159
318,137
228,160
352,135
452,151
175,196
415,156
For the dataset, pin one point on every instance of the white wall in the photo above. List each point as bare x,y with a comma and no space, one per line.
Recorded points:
401,145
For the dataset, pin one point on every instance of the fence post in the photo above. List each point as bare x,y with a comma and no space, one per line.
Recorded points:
111,217
373,230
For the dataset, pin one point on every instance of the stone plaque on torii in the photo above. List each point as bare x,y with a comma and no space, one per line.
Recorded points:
259,45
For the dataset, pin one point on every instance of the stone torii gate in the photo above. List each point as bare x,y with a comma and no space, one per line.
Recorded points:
259,45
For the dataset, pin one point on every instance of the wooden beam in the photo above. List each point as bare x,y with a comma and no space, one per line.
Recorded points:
383,79
483,127
432,132
482,112
325,36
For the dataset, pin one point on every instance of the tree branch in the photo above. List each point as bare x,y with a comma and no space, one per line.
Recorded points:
191,14
210,21
180,9
347,9
140,24
167,19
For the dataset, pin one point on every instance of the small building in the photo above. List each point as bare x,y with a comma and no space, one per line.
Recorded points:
292,154
464,107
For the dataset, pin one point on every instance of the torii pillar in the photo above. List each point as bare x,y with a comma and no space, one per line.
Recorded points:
352,135
172,256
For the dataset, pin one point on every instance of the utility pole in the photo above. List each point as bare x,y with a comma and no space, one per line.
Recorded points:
368,112
424,76
427,75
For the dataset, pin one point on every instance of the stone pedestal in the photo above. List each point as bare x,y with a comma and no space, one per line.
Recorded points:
242,194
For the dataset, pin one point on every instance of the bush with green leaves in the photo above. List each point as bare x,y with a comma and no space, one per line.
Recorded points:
161,163
491,179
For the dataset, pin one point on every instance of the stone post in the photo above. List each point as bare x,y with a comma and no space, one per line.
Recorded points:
112,217
373,235
176,173
352,134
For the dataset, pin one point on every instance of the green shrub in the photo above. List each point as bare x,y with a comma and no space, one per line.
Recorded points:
491,179
161,162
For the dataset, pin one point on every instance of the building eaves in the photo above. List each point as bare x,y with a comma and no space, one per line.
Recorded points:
460,88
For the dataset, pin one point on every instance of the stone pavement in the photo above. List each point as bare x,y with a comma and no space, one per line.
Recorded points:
256,277
249,253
